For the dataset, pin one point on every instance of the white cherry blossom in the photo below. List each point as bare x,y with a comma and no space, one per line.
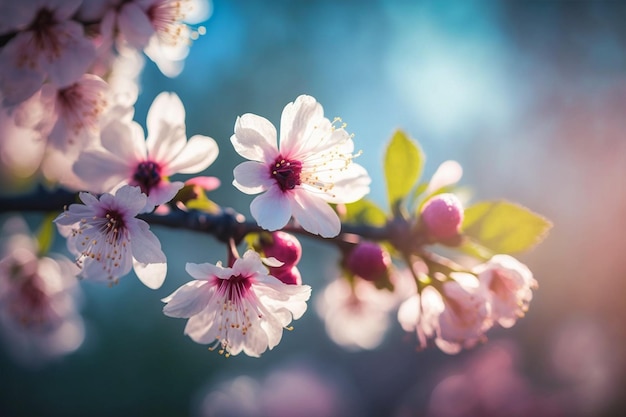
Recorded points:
239,308
109,240
125,157
311,167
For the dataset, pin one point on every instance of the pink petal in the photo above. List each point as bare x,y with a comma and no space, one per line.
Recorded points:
20,74
134,25
162,194
206,271
72,58
352,185
166,127
124,140
206,183
271,210
409,313
101,171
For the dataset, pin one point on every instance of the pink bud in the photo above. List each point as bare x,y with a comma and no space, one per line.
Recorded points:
443,215
289,276
284,247
369,261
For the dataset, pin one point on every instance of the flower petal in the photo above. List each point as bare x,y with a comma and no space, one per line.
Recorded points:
151,275
272,209
255,138
315,215
199,152
252,177
145,245
298,122
166,127
188,300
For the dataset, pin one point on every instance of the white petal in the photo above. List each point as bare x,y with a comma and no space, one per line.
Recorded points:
206,271
151,275
199,152
297,123
252,177
409,313
134,25
352,185
448,173
145,245
124,140
187,300
202,327
315,215
255,138
271,210
102,171
166,127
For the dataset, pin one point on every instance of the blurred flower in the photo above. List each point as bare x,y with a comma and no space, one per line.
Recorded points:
127,158
456,318
356,316
297,388
311,167
156,26
48,46
240,308
38,311
488,384
76,110
108,239
509,284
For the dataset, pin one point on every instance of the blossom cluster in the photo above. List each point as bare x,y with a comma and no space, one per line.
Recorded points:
68,73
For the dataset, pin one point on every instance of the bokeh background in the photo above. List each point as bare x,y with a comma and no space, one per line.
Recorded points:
529,96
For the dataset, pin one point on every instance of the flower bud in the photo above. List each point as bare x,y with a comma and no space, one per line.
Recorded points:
442,216
284,247
289,276
369,261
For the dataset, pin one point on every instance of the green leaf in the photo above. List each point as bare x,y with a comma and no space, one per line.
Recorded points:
365,212
45,234
504,227
404,162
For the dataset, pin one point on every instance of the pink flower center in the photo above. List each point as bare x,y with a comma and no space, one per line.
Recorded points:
45,37
147,175
234,288
286,173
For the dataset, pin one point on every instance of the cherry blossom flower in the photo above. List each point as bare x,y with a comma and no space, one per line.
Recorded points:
509,284
157,27
39,319
127,158
48,45
457,318
76,110
312,166
109,240
238,308
355,316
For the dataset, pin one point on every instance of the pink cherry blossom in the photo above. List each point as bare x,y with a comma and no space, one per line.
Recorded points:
312,166
509,284
239,308
76,110
109,240
48,45
38,298
455,318
127,158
